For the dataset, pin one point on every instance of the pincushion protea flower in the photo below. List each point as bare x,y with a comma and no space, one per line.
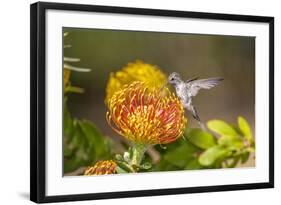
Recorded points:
146,116
136,71
102,168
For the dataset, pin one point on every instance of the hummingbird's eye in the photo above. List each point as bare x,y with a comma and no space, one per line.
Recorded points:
172,79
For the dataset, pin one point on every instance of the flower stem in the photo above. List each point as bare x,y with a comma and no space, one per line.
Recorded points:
138,152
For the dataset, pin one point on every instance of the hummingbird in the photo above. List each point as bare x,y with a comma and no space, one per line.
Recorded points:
186,90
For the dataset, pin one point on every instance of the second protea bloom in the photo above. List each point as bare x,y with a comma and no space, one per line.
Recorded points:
135,71
146,116
102,168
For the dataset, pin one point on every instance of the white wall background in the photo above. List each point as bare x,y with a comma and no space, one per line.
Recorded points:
14,100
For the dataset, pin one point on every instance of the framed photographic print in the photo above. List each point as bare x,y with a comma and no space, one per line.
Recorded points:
129,102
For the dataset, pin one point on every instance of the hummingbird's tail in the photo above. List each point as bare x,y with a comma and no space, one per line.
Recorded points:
196,117
202,126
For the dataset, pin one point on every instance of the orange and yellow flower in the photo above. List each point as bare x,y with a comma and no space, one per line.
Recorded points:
135,71
102,168
146,116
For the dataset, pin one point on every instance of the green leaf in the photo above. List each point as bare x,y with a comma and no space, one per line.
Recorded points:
180,155
234,162
77,137
245,128
67,152
231,142
97,141
71,164
244,157
193,164
119,170
201,138
221,128
208,157
124,166
84,145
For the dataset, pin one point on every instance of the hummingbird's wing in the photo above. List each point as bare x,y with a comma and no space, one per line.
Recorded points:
194,86
191,79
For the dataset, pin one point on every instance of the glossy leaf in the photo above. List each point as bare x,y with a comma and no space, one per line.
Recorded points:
208,157
244,157
176,155
245,128
83,145
231,142
235,161
201,138
193,164
124,166
97,141
221,128
119,170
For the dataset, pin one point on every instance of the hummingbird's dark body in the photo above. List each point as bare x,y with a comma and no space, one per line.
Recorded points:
187,90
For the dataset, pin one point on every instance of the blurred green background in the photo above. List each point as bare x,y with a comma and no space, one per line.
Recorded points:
105,51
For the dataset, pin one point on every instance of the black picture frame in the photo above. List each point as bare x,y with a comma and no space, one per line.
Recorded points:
38,100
